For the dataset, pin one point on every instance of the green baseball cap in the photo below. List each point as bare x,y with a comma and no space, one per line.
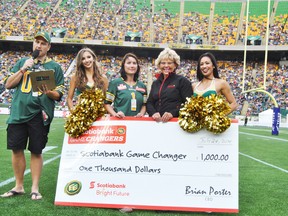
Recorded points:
44,35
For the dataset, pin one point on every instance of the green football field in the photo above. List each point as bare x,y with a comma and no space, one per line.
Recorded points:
263,177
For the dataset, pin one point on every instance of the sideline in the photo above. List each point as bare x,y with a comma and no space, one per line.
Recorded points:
8,181
263,162
266,137
255,129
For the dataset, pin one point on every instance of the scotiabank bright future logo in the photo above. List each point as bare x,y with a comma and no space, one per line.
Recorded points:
111,134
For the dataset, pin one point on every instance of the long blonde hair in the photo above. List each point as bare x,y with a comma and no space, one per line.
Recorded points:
81,78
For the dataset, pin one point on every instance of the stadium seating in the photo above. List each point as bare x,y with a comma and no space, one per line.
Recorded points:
219,23
232,71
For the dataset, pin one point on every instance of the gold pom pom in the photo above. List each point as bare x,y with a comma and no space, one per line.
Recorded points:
190,115
90,106
215,119
205,112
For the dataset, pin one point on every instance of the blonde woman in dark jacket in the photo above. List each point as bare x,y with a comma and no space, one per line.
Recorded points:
170,90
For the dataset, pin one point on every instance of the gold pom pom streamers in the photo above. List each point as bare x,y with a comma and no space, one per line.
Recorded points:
217,124
215,119
209,112
190,116
90,106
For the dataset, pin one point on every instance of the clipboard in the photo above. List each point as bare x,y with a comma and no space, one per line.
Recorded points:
38,78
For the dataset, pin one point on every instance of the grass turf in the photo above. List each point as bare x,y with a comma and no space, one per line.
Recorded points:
263,174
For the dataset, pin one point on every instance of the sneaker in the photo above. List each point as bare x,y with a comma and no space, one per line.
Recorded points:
126,210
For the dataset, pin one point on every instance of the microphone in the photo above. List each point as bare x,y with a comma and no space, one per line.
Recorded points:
35,54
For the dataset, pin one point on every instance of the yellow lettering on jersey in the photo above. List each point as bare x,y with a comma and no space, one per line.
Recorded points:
26,83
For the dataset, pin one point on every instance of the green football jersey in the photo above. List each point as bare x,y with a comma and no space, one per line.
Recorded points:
26,103
126,98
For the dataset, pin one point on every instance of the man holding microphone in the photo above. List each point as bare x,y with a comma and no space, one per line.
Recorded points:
31,114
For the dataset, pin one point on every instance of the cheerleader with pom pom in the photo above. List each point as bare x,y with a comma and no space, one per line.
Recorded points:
90,86
211,102
210,82
87,76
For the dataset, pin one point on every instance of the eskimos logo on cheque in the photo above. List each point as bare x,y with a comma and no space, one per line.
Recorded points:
121,130
73,187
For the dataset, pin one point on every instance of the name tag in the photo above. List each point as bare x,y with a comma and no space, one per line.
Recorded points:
133,104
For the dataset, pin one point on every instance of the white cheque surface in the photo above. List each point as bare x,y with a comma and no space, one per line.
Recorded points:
147,165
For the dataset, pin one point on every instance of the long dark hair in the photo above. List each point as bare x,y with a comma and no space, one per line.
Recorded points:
122,70
214,62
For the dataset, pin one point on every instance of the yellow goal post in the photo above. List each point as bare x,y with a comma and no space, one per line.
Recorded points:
265,58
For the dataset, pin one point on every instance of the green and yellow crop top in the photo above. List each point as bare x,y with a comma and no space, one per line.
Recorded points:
206,92
88,86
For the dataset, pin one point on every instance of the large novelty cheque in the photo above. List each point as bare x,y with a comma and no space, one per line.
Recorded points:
142,164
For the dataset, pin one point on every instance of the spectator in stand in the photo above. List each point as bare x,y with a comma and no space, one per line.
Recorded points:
231,71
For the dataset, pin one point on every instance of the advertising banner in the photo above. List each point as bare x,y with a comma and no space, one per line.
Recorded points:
141,164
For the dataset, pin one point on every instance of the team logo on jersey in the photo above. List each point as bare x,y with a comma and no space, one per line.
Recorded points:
171,86
73,187
122,87
140,89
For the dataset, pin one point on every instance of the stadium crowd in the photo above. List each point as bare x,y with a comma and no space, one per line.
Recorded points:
112,19
231,71
158,23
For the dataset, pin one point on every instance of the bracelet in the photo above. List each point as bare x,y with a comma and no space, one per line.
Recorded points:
22,71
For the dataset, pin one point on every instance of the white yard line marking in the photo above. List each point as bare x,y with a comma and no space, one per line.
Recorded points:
265,129
266,137
263,162
48,148
260,161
